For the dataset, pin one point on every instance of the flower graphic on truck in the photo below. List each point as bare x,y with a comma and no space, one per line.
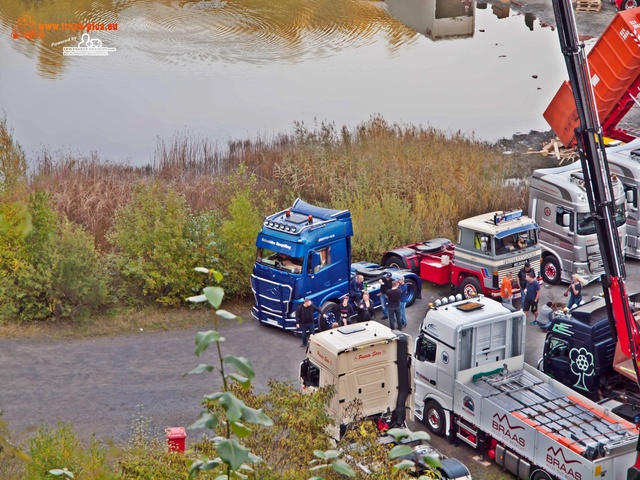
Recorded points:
581,365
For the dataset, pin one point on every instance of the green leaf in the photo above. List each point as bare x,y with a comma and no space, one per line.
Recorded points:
232,453
202,270
398,433
213,396
331,454
214,295
211,464
204,339
243,365
243,381
419,435
323,466
217,275
400,451
194,469
61,472
343,468
254,458
226,315
316,478
232,406
251,415
319,453
240,430
431,460
206,420
203,367
197,299
403,464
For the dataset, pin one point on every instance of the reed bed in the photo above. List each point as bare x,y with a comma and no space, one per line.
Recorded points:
385,173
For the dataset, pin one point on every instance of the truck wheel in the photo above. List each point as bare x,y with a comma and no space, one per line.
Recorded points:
550,270
434,418
395,261
412,291
629,4
540,475
332,312
470,287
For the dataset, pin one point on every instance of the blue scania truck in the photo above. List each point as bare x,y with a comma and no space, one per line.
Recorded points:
305,251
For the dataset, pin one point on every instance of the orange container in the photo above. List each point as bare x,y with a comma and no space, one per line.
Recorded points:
614,64
176,437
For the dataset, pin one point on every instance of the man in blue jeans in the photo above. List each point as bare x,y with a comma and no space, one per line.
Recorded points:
394,306
384,288
531,297
304,319
403,300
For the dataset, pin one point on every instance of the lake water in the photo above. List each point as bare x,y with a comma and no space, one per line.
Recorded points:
229,69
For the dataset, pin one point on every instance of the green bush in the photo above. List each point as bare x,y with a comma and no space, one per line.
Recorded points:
60,448
13,163
52,271
157,241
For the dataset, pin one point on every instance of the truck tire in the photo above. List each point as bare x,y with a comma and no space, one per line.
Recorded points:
332,311
628,4
412,291
433,417
470,287
550,270
395,261
540,475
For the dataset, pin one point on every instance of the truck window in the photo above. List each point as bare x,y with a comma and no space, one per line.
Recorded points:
586,225
560,211
278,260
621,216
426,350
559,349
325,259
515,242
481,242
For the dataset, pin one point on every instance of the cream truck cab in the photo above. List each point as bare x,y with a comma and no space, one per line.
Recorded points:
366,362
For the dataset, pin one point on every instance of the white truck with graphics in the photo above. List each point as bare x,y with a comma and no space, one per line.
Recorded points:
472,384
558,203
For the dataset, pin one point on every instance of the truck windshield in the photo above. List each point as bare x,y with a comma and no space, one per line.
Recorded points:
516,242
586,225
281,261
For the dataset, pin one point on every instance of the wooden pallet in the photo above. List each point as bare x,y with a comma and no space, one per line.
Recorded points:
588,5
556,148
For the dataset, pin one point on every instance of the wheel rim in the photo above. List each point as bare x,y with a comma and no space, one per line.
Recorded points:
550,271
433,417
410,293
470,291
630,4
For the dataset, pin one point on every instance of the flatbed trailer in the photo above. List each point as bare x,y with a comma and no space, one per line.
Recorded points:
537,423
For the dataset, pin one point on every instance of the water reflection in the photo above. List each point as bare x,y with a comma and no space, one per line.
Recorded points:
437,19
179,33
234,68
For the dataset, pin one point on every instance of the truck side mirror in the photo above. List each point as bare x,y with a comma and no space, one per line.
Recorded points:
566,222
316,261
630,207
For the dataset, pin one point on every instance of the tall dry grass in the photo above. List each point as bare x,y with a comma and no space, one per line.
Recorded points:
439,177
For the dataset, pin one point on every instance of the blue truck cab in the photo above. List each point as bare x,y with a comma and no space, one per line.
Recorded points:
305,251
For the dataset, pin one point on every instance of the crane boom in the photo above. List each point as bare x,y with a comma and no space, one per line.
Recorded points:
593,159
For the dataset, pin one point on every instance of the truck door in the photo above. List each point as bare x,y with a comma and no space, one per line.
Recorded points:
321,275
436,363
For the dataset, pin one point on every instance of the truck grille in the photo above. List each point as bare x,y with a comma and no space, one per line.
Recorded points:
271,297
535,264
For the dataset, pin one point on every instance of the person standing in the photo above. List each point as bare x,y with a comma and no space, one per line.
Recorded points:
575,291
304,319
386,283
365,308
393,307
532,296
522,279
345,311
506,289
356,287
404,290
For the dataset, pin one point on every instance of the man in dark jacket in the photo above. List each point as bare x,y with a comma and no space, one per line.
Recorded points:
385,287
522,278
304,319
394,295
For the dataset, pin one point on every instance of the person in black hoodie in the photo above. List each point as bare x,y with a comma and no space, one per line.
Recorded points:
304,319
393,307
386,283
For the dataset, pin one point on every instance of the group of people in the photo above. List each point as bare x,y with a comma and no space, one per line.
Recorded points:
393,297
530,291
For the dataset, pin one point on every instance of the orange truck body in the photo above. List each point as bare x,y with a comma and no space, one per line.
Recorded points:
614,65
